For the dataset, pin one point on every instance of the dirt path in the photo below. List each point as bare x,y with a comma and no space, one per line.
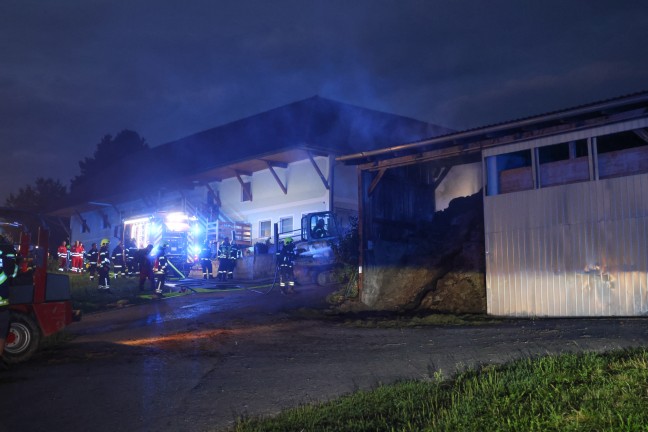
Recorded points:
196,363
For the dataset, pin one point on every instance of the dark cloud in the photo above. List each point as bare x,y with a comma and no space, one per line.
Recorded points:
75,70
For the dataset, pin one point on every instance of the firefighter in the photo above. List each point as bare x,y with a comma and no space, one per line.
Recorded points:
286,263
161,268
132,260
92,256
104,274
223,259
145,267
205,261
8,270
231,259
118,260
68,258
103,266
104,252
62,256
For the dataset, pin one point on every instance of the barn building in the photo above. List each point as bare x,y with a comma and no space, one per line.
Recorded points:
562,199
243,177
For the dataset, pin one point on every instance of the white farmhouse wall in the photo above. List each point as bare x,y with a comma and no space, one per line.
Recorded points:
306,193
97,229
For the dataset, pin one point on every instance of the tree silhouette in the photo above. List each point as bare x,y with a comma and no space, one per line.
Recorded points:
109,150
43,196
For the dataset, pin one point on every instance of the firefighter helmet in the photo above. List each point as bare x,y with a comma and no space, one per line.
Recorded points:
104,242
288,240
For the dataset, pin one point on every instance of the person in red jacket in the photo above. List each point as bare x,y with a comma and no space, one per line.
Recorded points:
62,256
77,256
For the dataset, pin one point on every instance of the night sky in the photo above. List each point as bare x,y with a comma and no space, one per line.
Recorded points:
72,71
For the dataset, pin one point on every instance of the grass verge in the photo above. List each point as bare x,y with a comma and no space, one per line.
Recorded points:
123,292
569,392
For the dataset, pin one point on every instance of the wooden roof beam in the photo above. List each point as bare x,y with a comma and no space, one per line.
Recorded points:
283,187
444,172
246,191
319,171
374,183
239,173
275,164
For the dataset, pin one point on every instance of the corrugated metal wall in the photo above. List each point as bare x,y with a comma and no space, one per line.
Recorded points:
570,250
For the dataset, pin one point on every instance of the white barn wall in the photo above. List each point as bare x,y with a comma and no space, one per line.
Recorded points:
569,250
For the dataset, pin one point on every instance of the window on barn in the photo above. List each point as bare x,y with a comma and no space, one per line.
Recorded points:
285,225
509,172
563,163
622,154
265,229
106,221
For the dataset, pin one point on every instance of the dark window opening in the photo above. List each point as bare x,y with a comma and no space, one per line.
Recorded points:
106,222
622,141
623,153
510,172
563,163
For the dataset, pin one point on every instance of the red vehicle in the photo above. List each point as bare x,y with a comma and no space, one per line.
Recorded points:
39,301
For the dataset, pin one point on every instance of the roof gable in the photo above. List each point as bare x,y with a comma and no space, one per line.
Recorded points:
316,124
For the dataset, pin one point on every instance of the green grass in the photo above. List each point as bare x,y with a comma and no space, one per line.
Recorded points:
123,292
570,392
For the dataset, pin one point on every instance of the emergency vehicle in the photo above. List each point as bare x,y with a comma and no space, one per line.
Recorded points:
40,302
177,230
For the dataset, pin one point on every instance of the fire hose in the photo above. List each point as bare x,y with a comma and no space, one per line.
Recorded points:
274,282
181,275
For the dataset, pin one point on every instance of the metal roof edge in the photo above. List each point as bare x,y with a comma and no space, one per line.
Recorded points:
622,101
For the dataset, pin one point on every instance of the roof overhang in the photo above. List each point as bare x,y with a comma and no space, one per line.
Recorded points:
462,144
279,159
245,167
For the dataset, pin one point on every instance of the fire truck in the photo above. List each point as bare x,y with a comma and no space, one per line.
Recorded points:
39,302
178,230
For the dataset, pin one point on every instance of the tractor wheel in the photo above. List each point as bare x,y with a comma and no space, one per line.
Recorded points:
23,339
